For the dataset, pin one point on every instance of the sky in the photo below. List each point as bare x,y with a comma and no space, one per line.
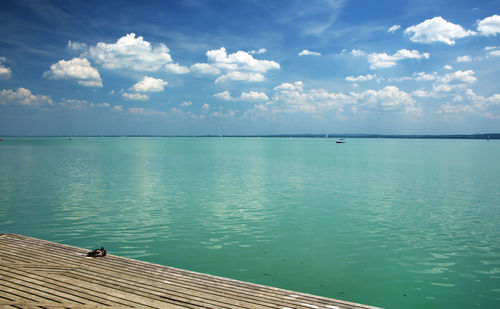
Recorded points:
194,67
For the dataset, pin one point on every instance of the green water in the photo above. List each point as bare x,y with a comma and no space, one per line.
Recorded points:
386,222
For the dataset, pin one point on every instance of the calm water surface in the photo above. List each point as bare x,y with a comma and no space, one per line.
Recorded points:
387,222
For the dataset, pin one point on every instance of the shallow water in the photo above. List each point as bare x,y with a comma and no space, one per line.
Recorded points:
386,222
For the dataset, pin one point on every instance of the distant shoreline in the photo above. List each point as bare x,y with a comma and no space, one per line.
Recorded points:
409,136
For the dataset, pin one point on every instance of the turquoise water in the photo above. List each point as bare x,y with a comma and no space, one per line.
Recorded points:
386,222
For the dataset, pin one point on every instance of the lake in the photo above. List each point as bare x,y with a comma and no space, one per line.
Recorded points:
411,223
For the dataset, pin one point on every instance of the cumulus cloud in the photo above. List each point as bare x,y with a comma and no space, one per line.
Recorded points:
224,95
24,97
205,107
240,61
448,67
422,76
5,72
361,78
240,66
149,84
465,58
186,103
383,60
76,68
259,51
445,85
291,99
131,52
393,28
205,68
82,104
175,68
470,102
437,29
388,98
135,96
245,96
296,86
240,76
451,82
253,96
146,111
489,25
494,53
357,52
459,77
76,46
306,52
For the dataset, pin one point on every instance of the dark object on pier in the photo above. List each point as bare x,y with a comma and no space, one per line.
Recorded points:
97,252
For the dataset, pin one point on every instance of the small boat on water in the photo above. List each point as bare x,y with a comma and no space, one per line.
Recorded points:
340,141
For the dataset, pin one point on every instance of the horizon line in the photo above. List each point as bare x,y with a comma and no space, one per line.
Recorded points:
302,135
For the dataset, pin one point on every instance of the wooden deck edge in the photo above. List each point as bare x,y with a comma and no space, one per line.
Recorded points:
198,274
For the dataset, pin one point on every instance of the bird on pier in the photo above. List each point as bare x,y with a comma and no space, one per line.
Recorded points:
97,253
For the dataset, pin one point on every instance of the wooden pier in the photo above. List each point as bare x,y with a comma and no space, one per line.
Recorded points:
36,273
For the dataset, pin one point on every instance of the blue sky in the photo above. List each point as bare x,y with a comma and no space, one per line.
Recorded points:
249,67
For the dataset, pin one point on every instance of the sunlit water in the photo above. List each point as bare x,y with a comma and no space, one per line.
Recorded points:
386,222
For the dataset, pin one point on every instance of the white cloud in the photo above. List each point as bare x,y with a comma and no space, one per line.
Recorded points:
421,93
176,68
76,46
296,86
361,78
5,72
135,96
306,52
383,60
186,104
205,107
149,84
118,108
437,29
465,58
422,76
357,52
245,96
494,53
241,60
240,76
393,28
253,96
224,95
489,25
459,77
101,105
387,98
452,82
291,99
76,68
131,52
472,103
259,51
448,67
240,66
24,97
205,68
146,111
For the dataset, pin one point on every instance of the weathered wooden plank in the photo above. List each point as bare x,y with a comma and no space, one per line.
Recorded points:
76,292
246,302
250,295
62,274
